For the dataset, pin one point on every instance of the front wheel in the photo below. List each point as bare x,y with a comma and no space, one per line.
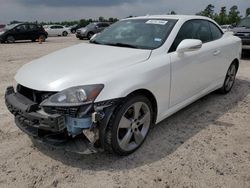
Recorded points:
10,39
90,35
230,79
129,126
65,33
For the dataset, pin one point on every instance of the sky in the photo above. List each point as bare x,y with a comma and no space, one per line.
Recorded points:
59,10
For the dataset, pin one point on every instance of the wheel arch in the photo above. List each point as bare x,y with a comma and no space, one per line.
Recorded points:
150,96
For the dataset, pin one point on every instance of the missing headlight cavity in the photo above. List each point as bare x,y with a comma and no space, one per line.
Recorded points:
75,126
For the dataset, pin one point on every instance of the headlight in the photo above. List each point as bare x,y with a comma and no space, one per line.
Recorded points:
83,30
74,96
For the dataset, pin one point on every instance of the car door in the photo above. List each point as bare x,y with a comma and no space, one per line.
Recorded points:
20,32
59,30
31,31
52,30
34,31
193,71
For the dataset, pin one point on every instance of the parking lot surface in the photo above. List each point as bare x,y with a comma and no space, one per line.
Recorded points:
206,144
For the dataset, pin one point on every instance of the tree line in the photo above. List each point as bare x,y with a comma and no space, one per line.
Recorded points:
82,22
224,17
232,16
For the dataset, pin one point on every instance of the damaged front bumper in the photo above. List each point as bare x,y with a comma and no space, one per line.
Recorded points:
53,128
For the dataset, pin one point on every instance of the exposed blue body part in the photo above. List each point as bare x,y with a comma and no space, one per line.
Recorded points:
76,125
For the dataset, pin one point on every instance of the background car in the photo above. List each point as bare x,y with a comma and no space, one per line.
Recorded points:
242,30
23,31
75,27
2,26
226,28
56,30
91,29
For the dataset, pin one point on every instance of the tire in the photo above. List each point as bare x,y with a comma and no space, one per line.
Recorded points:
90,35
10,39
65,33
42,38
229,79
73,31
128,127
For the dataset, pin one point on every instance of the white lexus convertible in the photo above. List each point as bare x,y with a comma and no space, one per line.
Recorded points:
106,95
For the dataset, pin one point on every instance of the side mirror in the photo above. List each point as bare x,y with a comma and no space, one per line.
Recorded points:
189,45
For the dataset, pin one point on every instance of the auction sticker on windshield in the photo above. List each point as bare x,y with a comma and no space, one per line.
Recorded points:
159,22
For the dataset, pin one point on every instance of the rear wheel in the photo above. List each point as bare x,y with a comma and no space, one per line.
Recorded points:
65,33
129,126
42,38
230,79
10,39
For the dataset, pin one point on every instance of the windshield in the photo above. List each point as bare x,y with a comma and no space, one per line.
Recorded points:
91,25
136,33
245,22
8,27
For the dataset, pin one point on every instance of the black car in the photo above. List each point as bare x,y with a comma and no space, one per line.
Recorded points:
1,27
75,27
23,31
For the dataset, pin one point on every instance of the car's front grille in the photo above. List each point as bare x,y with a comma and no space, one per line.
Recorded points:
243,34
34,95
67,111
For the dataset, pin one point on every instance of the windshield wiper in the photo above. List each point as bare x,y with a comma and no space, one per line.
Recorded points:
121,45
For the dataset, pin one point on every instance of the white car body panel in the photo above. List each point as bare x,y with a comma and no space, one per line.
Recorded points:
56,32
73,68
175,80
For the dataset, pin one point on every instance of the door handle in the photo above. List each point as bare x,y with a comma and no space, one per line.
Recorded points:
216,52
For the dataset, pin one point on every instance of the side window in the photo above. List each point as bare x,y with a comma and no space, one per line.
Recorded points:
193,29
204,32
53,27
21,28
60,27
216,32
105,25
33,27
100,25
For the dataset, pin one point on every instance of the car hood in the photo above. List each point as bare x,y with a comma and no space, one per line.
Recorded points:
78,65
241,29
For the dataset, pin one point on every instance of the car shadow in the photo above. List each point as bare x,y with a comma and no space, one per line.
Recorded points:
245,55
164,138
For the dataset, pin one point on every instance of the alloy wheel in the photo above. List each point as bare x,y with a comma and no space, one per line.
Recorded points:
134,126
230,78
10,39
